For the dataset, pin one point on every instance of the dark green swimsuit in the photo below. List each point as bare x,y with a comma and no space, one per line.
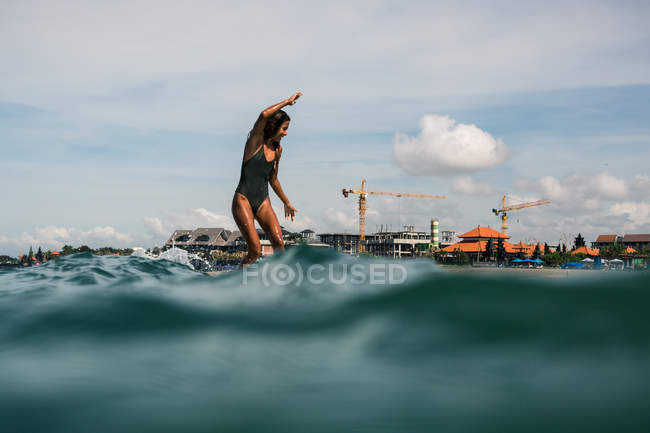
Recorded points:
254,180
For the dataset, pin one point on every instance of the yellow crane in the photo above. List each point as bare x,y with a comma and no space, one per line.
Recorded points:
363,194
505,209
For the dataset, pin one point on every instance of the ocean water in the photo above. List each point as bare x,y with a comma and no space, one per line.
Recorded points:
128,344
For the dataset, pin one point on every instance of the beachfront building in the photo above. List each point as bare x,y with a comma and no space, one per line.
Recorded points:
606,241
405,243
637,241
347,243
218,239
447,237
475,241
207,239
308,235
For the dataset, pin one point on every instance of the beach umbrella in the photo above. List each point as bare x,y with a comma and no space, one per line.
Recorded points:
587,260
616,261
537,261
573,265
517,261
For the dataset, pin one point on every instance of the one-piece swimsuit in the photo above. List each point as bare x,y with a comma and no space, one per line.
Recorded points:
254,179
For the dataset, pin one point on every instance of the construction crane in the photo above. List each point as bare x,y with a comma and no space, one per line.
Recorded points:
505,209
363,194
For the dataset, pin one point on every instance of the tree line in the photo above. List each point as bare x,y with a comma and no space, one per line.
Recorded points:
31,258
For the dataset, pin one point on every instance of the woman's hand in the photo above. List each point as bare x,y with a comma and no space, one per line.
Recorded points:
295,96
289,211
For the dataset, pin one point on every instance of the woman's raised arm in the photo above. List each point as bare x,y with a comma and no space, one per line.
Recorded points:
258,128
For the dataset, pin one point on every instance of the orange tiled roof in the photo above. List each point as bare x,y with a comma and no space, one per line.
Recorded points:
477,247
467,247
55,253
630,250
510,248
527,250
587,251
484,233
520,247
606,238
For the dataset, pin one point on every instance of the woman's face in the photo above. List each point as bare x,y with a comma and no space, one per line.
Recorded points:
282,131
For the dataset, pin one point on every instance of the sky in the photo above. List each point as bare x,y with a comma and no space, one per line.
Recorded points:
123,121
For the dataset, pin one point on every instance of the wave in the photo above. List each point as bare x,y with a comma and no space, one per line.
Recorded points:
107,343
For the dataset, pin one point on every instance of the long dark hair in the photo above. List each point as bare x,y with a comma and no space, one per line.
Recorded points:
274,122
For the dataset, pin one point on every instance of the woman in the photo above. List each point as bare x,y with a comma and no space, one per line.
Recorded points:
262,155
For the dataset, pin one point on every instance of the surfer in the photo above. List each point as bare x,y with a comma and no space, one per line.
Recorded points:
262,155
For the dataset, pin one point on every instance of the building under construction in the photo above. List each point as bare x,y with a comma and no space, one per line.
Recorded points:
385,242
404,243
346,243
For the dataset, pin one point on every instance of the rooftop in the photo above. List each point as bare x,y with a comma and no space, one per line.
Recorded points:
484,233
636,238
606,238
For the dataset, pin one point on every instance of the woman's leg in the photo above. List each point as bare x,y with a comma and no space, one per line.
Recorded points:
243,214
269,223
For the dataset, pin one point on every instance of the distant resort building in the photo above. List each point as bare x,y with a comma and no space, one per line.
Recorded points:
447,237
636,241
404,243
475,241
635,245
346,243
606,241
220,239
407,242
308,235
207,239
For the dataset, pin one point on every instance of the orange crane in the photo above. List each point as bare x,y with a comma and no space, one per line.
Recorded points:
363,194
505,209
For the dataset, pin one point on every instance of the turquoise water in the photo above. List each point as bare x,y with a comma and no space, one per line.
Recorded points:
108,344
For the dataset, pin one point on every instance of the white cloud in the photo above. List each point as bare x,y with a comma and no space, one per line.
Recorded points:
641,184
4,239
160,228
466,185
339,220
53,237
53,232
156,226
637,214
610,187
554,189
580,190
212,219
444,147
106,233
585,203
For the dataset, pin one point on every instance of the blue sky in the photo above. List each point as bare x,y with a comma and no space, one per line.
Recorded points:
123,122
